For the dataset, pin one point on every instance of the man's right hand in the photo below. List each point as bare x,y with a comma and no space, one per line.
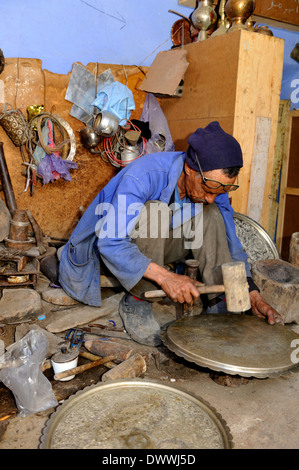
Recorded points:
177,287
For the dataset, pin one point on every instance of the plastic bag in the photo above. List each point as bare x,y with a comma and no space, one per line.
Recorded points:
161,140
23,374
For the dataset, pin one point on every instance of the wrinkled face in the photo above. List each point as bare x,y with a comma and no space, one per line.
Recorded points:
197,191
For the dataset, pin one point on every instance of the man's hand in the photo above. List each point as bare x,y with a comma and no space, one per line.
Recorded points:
177,287
261,309
180,288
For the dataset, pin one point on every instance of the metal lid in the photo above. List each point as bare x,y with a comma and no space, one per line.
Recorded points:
237,344
66,356
135,414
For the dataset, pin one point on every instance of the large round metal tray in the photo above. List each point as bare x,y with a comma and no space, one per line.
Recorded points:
237,344
256,242
135,414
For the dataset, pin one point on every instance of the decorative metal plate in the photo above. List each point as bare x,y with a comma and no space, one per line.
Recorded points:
135,414
256,242
237,344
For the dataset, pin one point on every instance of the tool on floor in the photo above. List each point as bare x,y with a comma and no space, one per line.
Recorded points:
93,357
133,367
78,370
234,285
75,338
6,183
103,330
64,360
38,233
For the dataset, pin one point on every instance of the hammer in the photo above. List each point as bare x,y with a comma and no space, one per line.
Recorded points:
234,285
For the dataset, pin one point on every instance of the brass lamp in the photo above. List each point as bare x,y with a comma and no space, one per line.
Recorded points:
203,17
239,11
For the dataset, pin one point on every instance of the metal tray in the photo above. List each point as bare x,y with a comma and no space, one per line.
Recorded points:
237,344
256,242
135,414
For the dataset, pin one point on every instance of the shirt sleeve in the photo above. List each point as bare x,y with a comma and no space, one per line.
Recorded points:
116,221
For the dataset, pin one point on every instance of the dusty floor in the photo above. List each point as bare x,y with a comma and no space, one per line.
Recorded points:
260,413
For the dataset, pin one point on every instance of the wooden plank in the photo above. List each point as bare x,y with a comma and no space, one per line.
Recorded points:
292,191
257,95
281,10
284,109
283,183
259,168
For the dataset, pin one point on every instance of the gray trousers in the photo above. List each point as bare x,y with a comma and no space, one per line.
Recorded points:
167,247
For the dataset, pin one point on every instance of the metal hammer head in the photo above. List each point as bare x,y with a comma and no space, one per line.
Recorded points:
236,287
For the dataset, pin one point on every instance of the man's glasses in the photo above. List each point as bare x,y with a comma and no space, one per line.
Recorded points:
214,184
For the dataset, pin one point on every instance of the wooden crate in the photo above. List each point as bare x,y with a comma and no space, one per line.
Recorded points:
236,80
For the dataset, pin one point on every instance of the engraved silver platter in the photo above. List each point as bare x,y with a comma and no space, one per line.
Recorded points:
135,414
256,242
236,344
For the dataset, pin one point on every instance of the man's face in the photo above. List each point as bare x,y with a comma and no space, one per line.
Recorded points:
196,189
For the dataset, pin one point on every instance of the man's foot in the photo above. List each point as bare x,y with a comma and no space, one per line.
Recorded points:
139,321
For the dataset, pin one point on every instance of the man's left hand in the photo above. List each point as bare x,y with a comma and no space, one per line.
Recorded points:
261,309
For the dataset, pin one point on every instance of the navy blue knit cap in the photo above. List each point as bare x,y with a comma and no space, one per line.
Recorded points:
215,149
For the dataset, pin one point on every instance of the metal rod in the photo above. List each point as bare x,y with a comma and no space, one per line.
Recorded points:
6,183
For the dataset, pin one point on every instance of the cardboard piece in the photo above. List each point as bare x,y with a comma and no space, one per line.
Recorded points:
166,73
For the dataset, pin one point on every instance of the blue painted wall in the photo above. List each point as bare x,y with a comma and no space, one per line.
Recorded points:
61,32
131,32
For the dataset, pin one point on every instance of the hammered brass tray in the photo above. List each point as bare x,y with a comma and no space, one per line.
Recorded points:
135,414
237,344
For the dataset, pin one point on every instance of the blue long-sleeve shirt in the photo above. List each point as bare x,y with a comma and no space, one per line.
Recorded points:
103,231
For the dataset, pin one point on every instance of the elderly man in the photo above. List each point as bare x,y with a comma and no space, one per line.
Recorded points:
161,209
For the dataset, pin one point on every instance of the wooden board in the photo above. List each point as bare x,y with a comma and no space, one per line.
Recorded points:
57,206
257,96
282,134
259,168
286,11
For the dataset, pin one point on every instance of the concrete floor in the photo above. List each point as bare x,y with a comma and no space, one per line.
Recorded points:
260,414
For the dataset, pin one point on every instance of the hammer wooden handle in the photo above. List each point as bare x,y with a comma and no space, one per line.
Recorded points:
79,369
202,290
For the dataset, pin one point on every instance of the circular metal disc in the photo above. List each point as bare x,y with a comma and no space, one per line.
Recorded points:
237,344
256,242
135,414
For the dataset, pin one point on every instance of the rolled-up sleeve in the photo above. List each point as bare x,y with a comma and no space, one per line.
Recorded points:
116,221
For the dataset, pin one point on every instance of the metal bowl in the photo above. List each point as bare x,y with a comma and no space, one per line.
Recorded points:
106,124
